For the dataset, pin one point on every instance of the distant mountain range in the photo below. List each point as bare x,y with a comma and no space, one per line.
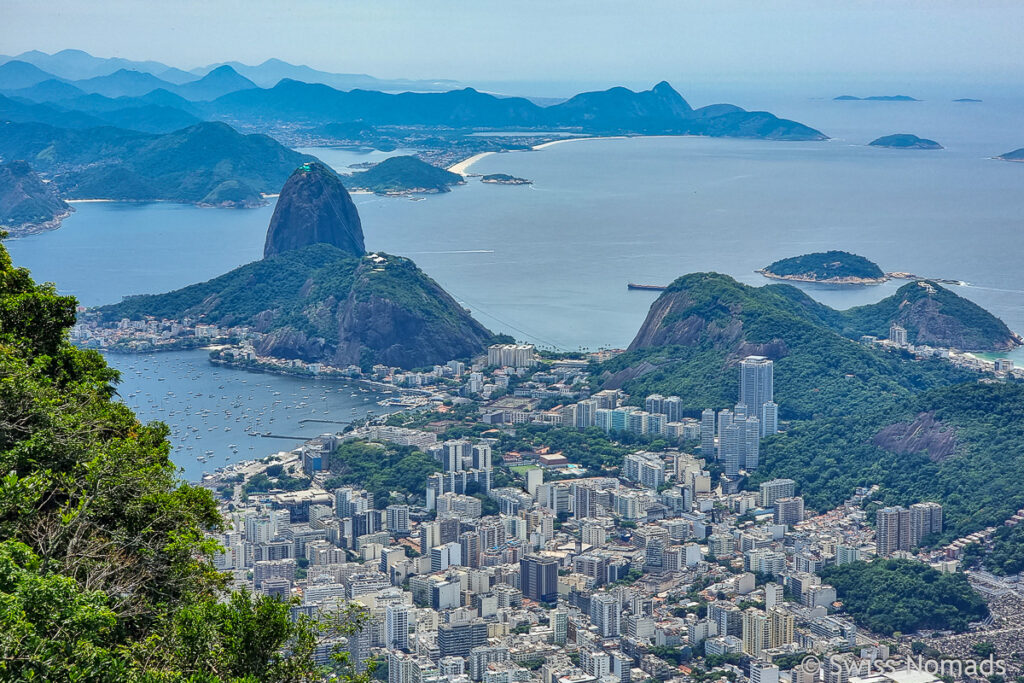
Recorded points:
209,163
75,82
76,65
660,110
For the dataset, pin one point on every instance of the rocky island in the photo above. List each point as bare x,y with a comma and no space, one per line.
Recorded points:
27,204
1015,155
504,179
904,141
831,267
317,297
405,175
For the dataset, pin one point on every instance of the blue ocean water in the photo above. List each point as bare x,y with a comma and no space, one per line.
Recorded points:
550,262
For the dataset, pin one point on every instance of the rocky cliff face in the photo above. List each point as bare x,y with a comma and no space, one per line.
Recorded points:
27,204
314,207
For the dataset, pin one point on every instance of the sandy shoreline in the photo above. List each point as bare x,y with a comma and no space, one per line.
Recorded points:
463,166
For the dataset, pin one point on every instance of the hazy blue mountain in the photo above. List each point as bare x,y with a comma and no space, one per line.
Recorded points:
620,106
273,71
77,65
15,75
659,110
149,118
50,90
220,81
21,111
208,163
123,83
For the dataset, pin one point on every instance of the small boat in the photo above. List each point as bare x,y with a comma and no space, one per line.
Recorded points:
653,288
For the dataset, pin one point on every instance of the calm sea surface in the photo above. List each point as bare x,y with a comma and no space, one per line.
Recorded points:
549,262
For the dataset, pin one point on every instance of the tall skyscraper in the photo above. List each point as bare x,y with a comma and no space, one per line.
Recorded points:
724,422
707,434
892,530
539,578
481,456
757,384
398,519
396,618
770,418
606,614
925,518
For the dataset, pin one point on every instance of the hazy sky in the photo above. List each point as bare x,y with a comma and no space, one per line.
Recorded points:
550,40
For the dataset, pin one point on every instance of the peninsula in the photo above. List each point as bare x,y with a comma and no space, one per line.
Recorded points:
27,204
831,267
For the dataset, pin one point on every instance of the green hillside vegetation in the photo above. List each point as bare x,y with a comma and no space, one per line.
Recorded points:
404,174
932,315
889,596
1006,557
827,265
830,457
188,165
105,571
238,297
319,303
381,469
711,322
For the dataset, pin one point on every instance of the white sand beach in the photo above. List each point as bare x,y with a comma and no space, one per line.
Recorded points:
463,166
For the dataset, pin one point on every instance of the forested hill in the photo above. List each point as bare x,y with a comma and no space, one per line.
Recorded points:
704,323
319,303
105,572
208,163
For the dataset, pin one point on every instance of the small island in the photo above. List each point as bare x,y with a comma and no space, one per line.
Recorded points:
904,141
404,175
966,99
876,98
1016,155
830,267
504,179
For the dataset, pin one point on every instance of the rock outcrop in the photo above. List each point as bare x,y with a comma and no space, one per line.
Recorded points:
314,208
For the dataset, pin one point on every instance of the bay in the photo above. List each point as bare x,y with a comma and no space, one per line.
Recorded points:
549,262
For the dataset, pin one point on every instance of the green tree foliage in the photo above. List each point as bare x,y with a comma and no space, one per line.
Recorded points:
829,457
590,448
1007,554
381,469
826,265
105,571
887,596
819,372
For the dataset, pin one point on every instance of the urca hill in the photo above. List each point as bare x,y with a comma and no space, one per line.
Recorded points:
317,296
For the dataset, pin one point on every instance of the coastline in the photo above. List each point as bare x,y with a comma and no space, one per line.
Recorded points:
29,229
829,281
462,167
